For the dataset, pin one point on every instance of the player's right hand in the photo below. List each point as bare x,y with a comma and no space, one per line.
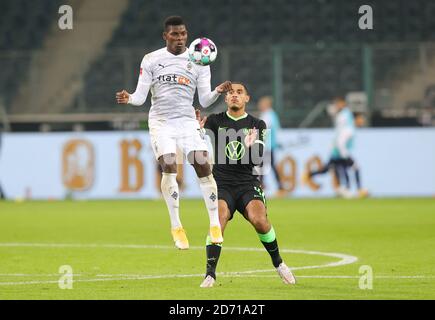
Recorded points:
224,87
198,118
122,97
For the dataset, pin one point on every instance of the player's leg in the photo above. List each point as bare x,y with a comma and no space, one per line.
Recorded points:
209,191
322,170
194,146
252,204
362,192
164,148
344,169
171,194
341,168
213,250
307,175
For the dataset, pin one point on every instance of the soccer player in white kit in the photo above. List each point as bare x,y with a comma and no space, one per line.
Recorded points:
173,79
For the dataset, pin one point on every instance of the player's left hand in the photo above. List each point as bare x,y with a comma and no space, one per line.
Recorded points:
251,137
198,118
224,87
122,97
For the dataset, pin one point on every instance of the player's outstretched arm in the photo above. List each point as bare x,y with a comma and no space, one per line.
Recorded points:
138,97
208,97
122,97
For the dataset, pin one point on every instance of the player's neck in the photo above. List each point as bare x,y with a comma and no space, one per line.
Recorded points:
235,115
176,53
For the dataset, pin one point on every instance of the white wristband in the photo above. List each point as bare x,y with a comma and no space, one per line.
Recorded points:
259,141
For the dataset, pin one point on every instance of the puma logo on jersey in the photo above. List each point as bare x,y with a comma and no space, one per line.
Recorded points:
175,79
161,65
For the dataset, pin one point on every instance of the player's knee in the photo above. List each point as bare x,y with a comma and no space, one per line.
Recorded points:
198,158
168,163
202,170
260,223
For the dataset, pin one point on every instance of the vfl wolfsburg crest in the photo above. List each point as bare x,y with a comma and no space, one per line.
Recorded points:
235,150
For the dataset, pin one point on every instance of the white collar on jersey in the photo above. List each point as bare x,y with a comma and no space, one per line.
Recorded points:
177,55
238,118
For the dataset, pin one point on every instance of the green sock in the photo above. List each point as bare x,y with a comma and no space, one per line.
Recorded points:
269,242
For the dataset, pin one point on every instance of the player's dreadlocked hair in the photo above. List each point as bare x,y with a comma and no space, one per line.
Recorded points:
173,21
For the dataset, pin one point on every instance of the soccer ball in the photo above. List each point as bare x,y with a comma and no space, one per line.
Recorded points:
202,51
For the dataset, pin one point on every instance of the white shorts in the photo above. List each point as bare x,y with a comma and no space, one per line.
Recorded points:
169,135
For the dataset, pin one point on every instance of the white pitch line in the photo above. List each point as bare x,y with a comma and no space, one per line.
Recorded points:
220,274
340,277
201,275
344,259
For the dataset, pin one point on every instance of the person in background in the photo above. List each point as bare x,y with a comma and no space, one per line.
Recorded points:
341,158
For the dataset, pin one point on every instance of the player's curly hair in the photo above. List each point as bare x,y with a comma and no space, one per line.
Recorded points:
173,21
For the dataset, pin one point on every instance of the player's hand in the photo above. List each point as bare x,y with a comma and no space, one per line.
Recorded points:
251,137
224,87
198,118
122,97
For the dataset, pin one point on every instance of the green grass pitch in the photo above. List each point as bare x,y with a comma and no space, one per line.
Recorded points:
123,250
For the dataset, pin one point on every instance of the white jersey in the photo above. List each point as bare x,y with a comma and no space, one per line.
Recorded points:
344,133
173,80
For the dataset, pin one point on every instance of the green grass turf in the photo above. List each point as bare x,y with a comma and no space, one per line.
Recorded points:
396,237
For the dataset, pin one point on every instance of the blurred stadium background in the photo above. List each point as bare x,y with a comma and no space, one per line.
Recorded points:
63,137
302,53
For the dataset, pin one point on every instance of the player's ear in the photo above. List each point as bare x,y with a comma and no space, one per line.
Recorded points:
164,35
247,98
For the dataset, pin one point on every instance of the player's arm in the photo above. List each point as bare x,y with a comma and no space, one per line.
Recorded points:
255,141
143,86
205,95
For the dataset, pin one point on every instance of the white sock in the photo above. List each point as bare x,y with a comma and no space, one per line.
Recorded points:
171,194
209,192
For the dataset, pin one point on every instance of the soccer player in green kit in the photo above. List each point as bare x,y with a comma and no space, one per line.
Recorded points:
238,140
